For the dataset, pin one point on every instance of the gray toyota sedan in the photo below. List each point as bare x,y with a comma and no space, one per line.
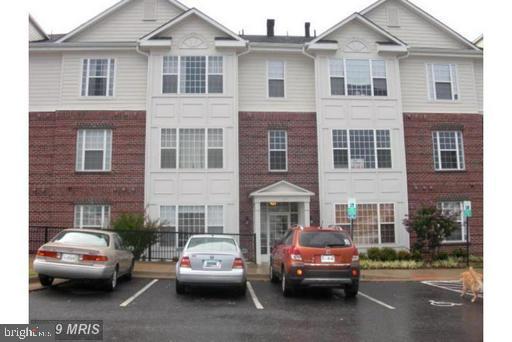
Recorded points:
211,261
84,254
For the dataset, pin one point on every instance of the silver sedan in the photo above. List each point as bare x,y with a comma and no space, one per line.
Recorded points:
84,254
211,260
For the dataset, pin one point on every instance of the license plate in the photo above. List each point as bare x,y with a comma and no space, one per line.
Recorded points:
327,258
69,257
211,264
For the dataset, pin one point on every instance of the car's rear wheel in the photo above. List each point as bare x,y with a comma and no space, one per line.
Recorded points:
272,275
130,271
351,290
111,283
45,280
180,288
286,288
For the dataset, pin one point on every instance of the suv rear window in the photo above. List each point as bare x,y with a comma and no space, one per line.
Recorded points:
208,244
324,239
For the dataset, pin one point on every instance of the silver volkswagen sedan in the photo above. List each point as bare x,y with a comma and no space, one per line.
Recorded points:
84,254
211,261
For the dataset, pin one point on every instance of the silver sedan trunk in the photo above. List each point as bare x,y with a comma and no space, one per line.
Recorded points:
210,261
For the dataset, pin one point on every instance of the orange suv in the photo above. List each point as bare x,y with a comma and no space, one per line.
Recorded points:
315,257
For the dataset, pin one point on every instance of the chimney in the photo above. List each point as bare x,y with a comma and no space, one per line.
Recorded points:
270,27
306,29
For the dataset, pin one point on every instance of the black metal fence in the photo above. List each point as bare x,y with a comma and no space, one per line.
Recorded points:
161,245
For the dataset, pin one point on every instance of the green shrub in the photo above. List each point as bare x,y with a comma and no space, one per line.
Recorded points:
447,263
137,231
403,255
388,254
363,256
441,256
416,255
373,253
458,253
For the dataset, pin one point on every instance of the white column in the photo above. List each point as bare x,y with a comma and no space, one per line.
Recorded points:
256,218
307,215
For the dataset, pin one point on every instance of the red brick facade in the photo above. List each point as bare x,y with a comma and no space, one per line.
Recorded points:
427,186
253,154
54,185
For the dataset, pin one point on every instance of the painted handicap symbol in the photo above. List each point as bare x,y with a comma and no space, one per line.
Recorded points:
443,304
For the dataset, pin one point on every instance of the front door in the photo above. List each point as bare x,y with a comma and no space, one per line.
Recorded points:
278,224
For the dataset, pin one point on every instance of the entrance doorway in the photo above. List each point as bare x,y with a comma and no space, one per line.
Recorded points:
275,221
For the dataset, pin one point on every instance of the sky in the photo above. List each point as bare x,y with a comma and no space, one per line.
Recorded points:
61,16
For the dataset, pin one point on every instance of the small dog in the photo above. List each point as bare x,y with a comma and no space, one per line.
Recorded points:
473,281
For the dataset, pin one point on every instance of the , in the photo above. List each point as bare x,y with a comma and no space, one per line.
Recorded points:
84,254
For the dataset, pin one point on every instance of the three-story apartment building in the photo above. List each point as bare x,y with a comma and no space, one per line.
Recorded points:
152,106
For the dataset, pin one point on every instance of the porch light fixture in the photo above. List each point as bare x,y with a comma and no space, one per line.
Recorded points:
272,204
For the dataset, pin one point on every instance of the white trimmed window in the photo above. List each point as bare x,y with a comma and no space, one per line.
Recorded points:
442,82
455,209
168,220
92,216
275,78
98,77
192,148
277,150
215,219
93,150
358,77
193,75
448,150
361,149
375,223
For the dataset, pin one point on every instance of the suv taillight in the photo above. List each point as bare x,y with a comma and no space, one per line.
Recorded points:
238,263
295,254
48,254
355,256
185,262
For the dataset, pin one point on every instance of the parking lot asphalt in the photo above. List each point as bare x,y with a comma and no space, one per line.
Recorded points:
149,310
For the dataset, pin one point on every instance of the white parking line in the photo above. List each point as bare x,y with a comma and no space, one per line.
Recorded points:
451,285
141,291
377,301
255,299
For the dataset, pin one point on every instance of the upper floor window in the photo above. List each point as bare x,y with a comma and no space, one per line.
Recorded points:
192,148
275,75
361,149
442,81
277,150
193,75
93,150
92,216
98,77
358,77
454,209
448,150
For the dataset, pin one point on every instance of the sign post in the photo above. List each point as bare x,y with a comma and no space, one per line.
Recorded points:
468,212
352,214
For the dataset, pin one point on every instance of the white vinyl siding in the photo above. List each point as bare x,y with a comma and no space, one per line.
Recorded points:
191,219
150,9
94,150
448,150
193,75
45,81
192,148
442,82
361,149
92,216
375,222
455,210
128,23
98,76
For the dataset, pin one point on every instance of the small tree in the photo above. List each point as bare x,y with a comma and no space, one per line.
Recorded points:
431,228
137,231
